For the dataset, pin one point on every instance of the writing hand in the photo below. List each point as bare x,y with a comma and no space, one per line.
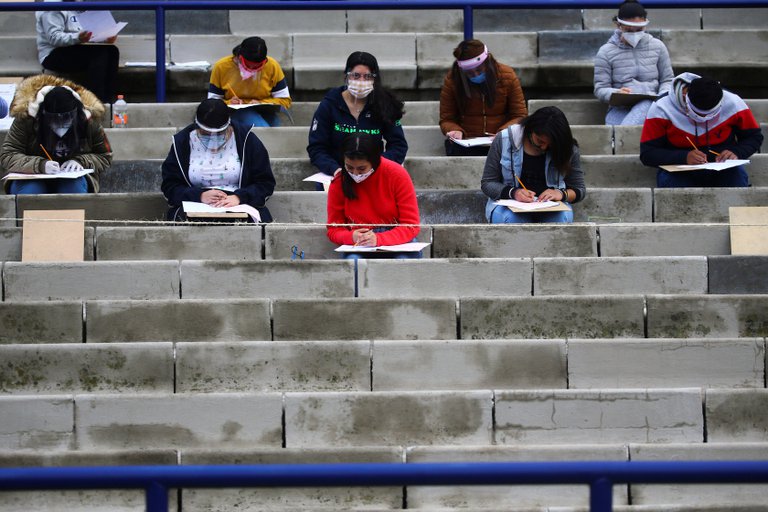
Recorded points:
524,196
625,90
550,195
235,101
85,36
726,154
211,197
695,157
254,102
111,40
455,134
230,200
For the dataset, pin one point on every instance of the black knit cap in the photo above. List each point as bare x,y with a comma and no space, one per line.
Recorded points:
60,100
705,93
212,113
631,9
252,48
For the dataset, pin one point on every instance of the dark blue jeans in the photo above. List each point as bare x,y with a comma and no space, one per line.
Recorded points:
733,177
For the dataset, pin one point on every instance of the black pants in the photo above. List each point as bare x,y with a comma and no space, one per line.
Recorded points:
99,61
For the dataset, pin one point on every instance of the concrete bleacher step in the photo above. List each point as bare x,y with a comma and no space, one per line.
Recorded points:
387,365
355,419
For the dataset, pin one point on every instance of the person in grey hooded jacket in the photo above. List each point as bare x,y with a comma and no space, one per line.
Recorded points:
632,61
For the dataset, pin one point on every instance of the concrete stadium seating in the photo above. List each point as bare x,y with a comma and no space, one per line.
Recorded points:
632,334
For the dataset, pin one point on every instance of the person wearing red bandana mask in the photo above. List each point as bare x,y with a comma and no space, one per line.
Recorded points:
250,77
699,122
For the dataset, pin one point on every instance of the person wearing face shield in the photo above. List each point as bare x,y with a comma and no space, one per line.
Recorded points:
217,161
56,128
479,97
361,105
372,201
696,123
632,61
250,76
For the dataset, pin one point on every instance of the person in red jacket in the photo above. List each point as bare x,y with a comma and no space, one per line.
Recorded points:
372,202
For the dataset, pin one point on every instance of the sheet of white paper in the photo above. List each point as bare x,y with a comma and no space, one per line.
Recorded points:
319,177
7,91
715,166
192,64
471,142
65,175
537,205
193,207
141,64
409,247
101,24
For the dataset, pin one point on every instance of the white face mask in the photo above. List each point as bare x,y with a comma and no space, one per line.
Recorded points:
61,130
359,178
360,88
632,38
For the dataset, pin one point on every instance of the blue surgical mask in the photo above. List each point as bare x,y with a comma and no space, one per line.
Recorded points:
478,79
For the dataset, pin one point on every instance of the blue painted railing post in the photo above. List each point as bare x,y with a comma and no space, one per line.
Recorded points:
468,22
160,54
157,497
601,495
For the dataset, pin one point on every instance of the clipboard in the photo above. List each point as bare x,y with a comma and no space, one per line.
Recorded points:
561,207
628,99
714,166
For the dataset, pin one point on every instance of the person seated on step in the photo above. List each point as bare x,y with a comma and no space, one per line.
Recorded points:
480,97
361,105
217,161
632,61
250,77
696,123
56,129
535,160
371,202
61,47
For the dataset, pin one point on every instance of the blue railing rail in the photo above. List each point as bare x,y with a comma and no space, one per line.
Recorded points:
599,476
467,6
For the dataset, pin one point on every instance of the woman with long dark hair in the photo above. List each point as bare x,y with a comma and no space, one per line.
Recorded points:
535,160
361,105
371,202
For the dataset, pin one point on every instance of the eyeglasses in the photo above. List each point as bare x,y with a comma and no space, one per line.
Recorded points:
360,76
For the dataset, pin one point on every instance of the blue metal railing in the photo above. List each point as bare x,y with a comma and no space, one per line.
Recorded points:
467,6
599,476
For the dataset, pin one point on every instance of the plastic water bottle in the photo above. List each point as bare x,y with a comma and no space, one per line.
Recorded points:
120,113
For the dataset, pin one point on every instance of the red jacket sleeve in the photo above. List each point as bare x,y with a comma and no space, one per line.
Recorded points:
340,235
407,210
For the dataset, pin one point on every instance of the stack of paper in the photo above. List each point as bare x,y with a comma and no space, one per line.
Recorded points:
409,247
101,24
193,207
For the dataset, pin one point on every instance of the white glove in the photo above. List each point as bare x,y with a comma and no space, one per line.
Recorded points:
52,167
71,166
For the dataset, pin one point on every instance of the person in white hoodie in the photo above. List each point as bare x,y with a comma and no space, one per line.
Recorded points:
632,61
61,48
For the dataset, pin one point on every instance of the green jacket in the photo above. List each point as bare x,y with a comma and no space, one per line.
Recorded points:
20,151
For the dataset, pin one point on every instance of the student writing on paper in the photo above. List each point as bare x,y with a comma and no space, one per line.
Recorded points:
56,128
361,105
61,48
376,196
541,154
219,162
249,75
699,122
632,61
479,97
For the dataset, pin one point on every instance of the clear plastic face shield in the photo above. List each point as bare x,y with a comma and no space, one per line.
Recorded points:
61,123
212,138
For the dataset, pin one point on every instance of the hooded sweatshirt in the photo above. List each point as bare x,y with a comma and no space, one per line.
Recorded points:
21,151
667,128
